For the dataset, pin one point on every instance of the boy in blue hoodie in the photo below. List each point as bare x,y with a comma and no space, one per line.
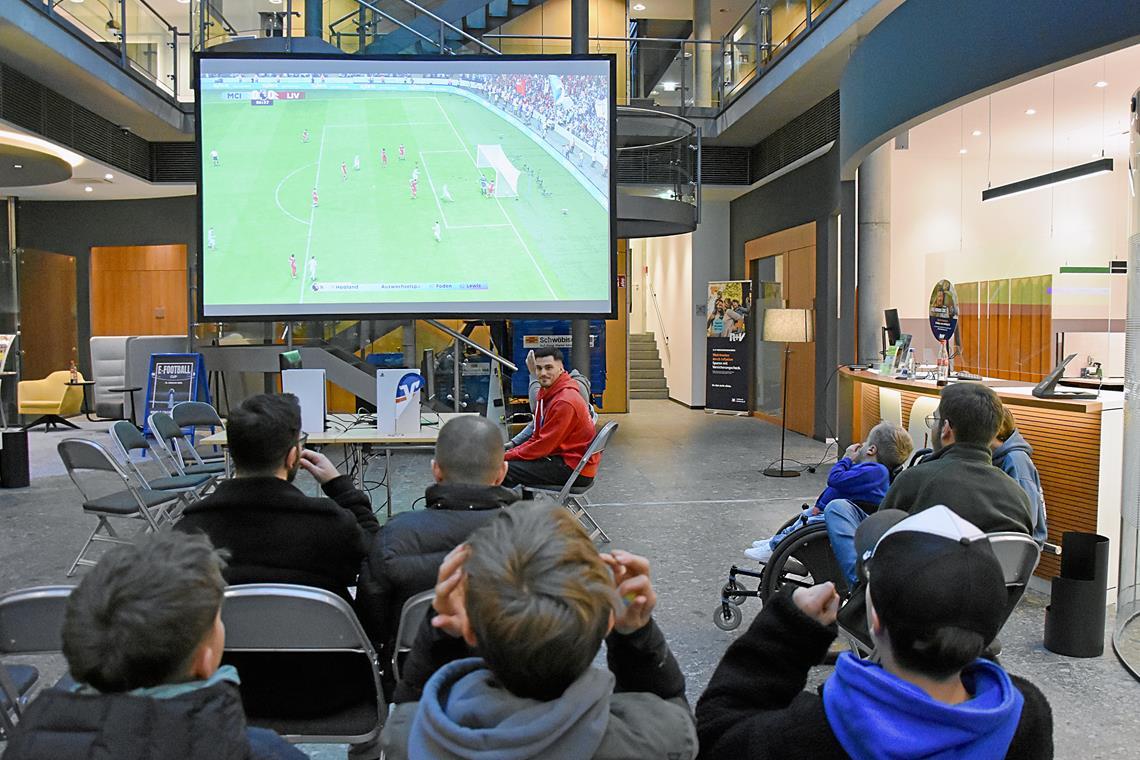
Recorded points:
862,477
935,597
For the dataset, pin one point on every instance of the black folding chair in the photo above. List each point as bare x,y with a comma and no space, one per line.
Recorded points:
31,621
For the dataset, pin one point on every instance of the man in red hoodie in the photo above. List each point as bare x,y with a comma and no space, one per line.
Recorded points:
562,430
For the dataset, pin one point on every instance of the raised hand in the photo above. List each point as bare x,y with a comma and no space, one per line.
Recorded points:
451,614
820,602
319,466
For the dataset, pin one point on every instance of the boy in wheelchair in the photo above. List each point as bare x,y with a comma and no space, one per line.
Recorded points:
862,477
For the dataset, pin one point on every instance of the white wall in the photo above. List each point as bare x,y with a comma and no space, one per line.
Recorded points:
679,270
940,228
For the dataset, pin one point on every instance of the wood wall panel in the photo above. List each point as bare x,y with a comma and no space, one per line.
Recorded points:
970,359
49,331
138,290
1006,327
1066,451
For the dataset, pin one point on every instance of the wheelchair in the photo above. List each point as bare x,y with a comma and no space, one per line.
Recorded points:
804,558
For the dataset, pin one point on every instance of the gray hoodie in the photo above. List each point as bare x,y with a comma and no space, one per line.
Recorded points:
1014,458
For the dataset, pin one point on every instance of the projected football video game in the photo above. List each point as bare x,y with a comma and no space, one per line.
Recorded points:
465,186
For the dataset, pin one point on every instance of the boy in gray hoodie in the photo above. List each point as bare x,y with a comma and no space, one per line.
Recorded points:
532,598
1012,454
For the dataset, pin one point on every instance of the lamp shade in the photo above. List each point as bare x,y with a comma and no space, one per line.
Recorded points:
788,325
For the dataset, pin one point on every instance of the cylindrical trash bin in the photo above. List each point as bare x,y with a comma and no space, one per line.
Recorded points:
1075,617
14,472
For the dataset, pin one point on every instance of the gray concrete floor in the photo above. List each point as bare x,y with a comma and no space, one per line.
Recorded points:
681,487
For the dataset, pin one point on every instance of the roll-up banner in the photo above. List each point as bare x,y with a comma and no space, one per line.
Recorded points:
729,352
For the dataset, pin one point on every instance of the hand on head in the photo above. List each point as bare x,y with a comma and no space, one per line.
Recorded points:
631,577
852,450
451,614
820,602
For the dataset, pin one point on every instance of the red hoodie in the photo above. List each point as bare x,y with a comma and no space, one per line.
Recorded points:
562,427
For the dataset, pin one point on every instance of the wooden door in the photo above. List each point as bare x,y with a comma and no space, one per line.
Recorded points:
49,332
138,290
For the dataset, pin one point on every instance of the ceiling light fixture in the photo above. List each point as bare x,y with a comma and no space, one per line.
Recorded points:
977,133
962,151
20,140
1030,111
88,189
17,166
669,86
1101,84
108,176
1073,173
639,7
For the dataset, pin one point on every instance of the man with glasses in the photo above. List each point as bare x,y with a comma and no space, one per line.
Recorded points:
959,474
273,532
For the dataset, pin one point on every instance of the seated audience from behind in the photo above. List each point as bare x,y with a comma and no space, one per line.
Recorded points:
532,391
861,477
532,599
143,638
1013,454
562,431
936,597
959,474
272,531
468,469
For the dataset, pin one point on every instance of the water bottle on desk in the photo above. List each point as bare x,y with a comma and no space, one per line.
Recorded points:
74,372
943,363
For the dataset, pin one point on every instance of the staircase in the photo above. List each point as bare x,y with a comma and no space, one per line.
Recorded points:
646,376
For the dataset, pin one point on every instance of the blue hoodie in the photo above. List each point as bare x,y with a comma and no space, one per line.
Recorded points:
877,716
1014,458
863,483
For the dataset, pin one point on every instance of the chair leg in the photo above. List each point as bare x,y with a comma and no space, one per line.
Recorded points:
110,537
578,509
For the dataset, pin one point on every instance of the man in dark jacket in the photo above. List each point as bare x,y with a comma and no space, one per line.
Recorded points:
143,638
960,475
273,532
532,597
936,596
405,556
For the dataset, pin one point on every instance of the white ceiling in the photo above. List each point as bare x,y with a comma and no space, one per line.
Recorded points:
725,13
1074,121
91,173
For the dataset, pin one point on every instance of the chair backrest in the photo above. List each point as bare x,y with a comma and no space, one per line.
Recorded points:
195,414
411,616
890,406
597,446
31,620
170,439
923,407
128,437
81,454
1018,555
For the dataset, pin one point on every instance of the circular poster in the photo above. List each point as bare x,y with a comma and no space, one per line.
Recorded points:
943,310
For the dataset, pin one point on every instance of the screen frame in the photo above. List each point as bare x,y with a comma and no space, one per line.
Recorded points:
221,315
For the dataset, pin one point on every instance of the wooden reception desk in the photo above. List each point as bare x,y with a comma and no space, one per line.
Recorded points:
1077,447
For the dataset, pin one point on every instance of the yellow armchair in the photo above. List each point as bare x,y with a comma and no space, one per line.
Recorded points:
52,399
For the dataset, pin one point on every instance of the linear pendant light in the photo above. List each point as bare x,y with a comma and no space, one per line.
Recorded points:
1100,166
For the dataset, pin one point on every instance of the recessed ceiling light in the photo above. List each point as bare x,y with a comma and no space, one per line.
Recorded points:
977,133
1101,83
108,176
272,2
669,86
962,151
17,166
655,92
88,189
77,1
1030,111
639,7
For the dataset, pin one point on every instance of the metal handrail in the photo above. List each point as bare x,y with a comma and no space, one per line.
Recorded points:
444,23
464,339
660,319
398,22
634,111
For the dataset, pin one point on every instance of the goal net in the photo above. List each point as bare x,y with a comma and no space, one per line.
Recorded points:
506,175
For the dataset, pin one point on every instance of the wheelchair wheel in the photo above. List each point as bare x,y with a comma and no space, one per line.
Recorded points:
802,559
727,616
731,592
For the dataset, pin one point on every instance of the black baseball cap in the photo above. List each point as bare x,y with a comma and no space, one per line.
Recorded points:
931,570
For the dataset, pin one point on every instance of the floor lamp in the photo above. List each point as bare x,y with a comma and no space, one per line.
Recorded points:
786,326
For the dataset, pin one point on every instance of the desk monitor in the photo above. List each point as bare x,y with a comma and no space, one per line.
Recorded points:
1047,387
894,329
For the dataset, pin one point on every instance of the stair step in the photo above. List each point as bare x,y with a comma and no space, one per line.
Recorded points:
643,353
646,383
646,374
645,363
655,393
642,338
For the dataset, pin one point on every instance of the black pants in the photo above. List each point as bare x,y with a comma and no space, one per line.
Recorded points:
548,471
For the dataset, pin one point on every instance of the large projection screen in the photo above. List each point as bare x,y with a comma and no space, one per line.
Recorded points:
465,186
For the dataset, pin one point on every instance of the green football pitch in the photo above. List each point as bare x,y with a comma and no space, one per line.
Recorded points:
371,241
